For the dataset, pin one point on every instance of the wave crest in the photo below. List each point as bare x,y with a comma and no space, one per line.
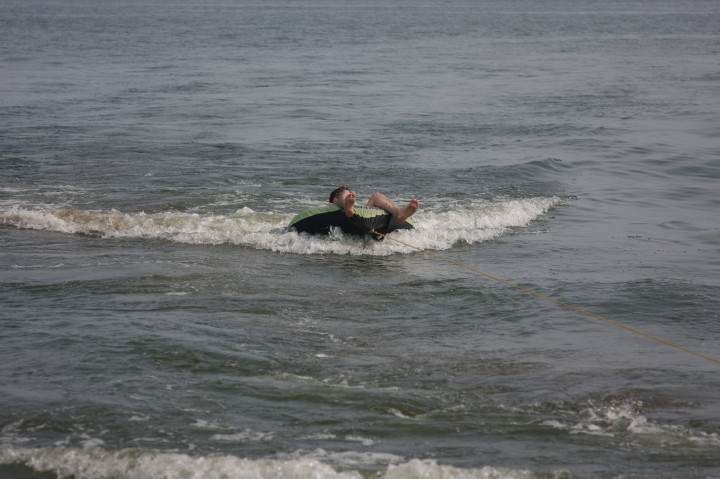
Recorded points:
435,229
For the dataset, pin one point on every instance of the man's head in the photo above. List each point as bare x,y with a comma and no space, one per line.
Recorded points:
337,192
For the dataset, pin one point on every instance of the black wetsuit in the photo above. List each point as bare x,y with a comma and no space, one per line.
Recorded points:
365,220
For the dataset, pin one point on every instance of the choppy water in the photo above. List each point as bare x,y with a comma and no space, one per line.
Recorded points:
157,320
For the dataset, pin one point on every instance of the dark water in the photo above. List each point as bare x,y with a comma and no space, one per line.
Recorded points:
157,320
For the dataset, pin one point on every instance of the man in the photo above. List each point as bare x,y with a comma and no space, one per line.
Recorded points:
345,199
341,213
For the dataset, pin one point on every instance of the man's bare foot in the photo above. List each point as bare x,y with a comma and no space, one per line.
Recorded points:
349,205
408,211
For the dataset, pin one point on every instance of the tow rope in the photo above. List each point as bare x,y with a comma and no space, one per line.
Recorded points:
553,300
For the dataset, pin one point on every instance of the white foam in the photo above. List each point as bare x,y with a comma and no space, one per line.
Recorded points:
624,419
347,459
436,228
429,469
100,463
365,441
246,435
135,464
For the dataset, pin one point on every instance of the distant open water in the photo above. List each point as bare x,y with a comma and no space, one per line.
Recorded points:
158,321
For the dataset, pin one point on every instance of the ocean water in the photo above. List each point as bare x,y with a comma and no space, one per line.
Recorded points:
157,320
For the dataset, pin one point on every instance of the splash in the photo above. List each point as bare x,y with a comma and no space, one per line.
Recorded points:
624,420
436,228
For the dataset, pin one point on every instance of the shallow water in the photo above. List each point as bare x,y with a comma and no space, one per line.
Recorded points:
158,320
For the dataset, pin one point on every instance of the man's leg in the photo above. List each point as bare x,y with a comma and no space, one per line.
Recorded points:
349,204
381,201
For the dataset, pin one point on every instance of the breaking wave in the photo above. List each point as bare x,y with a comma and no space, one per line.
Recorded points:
99,463
436,229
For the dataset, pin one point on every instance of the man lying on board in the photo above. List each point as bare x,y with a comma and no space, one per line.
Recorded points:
379,217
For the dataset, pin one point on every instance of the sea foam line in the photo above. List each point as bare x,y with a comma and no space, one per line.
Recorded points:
435,228
99,463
